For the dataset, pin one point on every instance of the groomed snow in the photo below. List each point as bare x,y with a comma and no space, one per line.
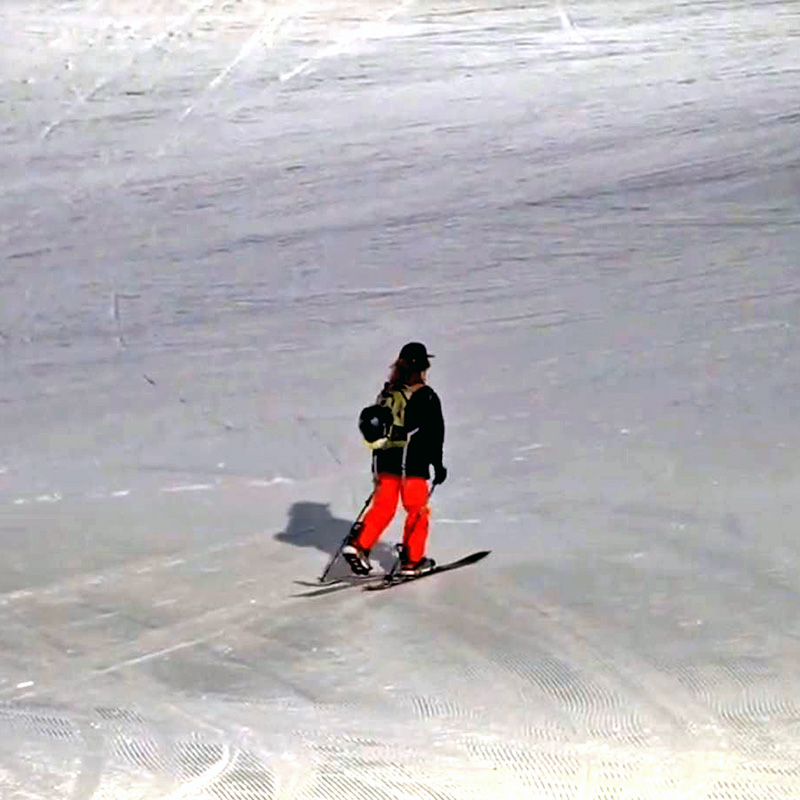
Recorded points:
220,220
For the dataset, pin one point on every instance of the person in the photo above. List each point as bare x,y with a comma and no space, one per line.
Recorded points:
401,465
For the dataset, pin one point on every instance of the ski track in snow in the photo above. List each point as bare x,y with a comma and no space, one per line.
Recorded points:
220,219
57,497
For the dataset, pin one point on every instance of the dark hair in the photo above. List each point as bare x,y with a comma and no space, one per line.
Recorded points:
404,374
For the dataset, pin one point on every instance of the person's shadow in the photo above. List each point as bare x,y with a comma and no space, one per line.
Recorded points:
313,525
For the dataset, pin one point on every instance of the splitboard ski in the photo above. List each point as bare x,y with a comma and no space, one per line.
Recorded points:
332,581
395,580
337,585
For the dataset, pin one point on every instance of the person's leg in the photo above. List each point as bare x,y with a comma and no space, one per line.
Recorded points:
415,501
381,510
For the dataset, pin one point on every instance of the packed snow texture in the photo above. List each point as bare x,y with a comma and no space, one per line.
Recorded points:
220,220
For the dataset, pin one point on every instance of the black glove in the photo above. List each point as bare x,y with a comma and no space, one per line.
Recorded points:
439,474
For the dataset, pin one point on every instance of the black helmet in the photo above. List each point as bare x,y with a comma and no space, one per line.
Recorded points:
416,356
374,422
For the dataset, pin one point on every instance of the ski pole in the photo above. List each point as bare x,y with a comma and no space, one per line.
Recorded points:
336,555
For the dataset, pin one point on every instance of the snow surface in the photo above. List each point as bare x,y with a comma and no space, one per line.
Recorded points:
219,221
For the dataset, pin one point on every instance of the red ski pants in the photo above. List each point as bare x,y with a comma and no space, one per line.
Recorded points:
389,489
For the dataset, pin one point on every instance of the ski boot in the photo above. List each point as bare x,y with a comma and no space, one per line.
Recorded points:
355,555
413,569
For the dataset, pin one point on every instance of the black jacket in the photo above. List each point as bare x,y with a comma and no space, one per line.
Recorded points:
424,425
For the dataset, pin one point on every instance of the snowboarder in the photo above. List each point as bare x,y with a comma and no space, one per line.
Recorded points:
407,439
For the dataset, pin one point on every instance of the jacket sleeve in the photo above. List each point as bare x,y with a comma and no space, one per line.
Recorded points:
434,429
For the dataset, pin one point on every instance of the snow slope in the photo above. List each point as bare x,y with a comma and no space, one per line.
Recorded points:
220,220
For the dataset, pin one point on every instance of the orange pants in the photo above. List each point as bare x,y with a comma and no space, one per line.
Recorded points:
414,494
